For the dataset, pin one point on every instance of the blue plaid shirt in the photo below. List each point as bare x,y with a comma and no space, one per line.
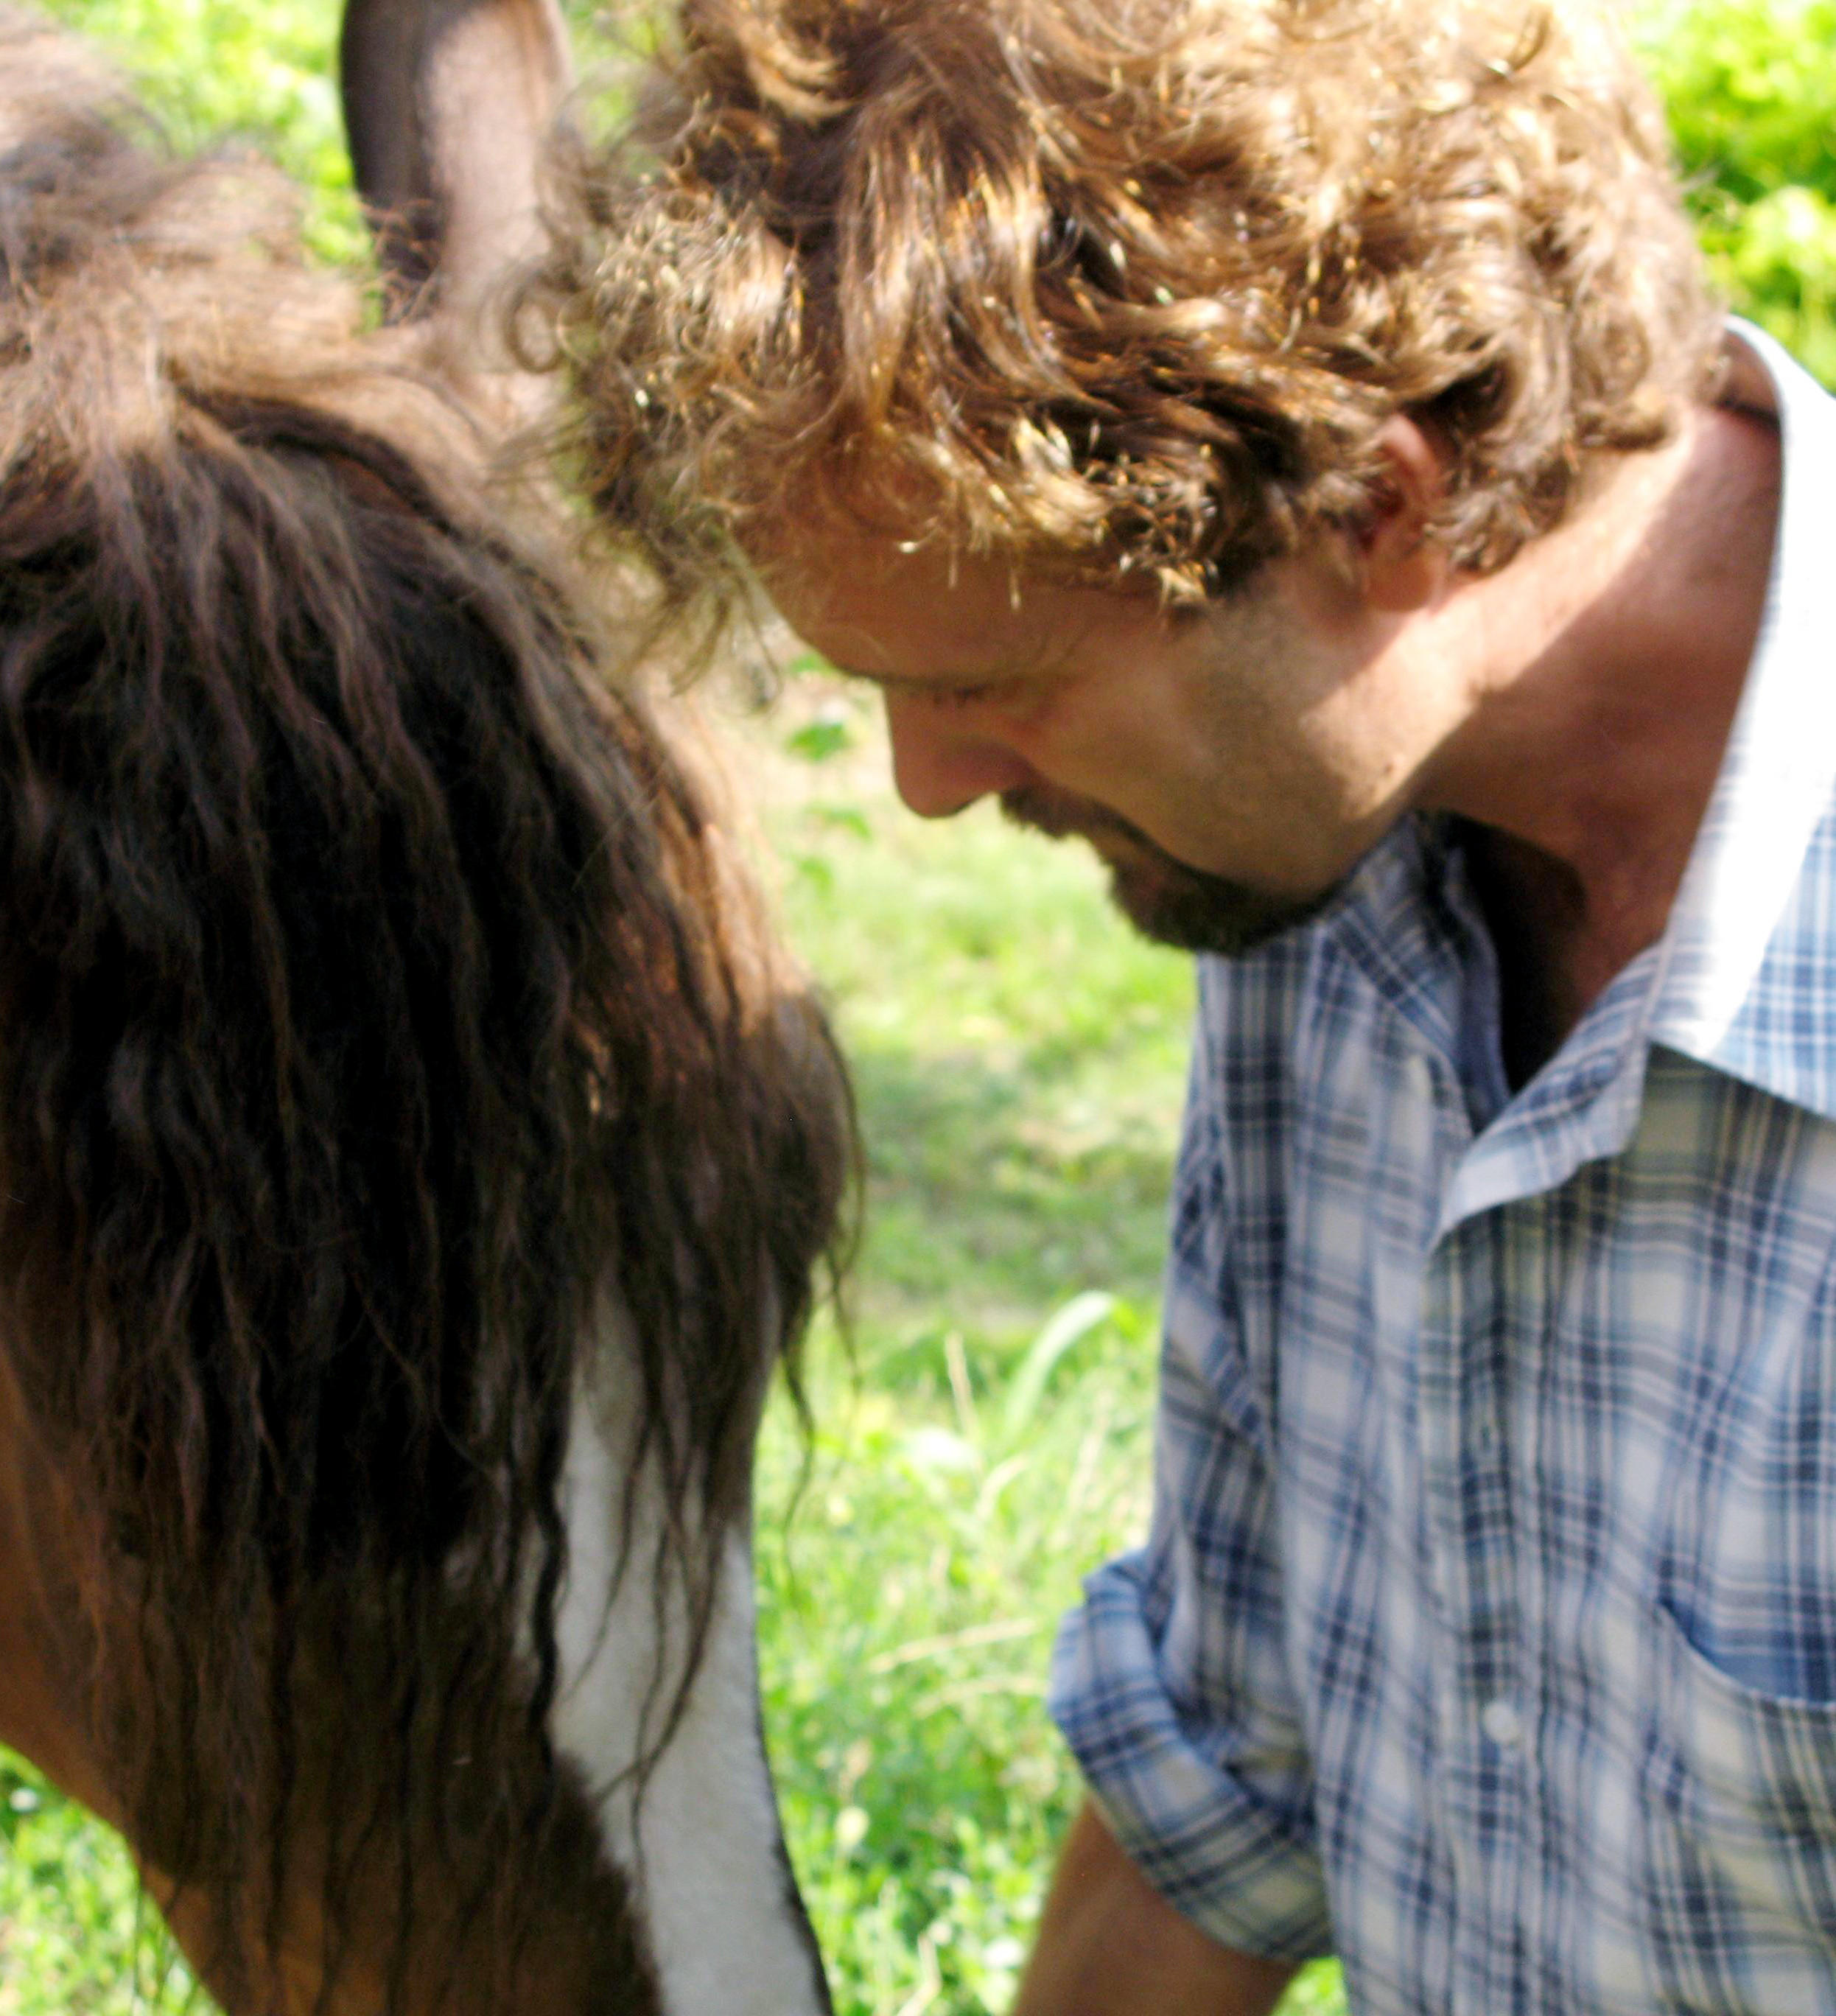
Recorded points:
1486,1632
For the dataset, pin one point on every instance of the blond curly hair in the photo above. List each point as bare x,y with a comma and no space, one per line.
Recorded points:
1116,287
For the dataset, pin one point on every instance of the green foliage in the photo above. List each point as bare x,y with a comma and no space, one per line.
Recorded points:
217,69
1081,1316
1750,89
909,1609
76,1939
1021,1060
816,741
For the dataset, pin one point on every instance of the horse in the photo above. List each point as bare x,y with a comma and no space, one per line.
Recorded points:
416,1152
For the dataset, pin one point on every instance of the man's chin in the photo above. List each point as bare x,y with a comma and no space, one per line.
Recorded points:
1179,906
1161,896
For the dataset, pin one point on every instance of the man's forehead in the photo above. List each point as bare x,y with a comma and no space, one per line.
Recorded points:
906,613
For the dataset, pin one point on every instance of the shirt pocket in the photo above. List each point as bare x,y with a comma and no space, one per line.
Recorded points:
1740,1831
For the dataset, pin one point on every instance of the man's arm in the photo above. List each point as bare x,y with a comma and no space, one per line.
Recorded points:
1110,1945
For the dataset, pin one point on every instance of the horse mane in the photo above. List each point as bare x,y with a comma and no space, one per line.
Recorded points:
378,1003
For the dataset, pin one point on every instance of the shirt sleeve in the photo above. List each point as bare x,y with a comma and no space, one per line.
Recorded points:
1170,1682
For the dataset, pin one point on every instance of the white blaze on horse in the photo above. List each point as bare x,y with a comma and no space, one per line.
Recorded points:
414,1153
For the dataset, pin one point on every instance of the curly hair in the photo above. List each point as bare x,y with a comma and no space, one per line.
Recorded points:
1115,286
379,1005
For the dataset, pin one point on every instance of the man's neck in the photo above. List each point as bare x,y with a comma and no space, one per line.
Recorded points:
1589,760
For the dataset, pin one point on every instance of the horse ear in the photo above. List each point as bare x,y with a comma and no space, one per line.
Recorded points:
446,105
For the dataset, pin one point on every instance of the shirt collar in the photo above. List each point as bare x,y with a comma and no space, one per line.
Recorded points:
1746,977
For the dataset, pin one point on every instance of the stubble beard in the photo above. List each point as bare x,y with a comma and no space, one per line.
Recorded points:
1164,898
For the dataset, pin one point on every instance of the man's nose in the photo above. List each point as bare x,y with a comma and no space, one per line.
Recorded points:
941,765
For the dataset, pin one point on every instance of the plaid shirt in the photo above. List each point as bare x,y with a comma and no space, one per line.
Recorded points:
1486,1632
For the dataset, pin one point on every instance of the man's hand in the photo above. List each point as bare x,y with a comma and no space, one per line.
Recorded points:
1110,1945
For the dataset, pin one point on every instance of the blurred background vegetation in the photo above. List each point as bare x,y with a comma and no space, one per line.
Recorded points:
1020,1061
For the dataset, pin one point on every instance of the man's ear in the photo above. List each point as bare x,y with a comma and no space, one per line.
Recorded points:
1401,566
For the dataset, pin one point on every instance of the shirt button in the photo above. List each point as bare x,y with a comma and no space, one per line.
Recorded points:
1502,1723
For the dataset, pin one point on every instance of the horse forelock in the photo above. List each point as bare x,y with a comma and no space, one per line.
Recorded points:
376,999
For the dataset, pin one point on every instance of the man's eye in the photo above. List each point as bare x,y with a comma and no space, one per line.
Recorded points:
951,697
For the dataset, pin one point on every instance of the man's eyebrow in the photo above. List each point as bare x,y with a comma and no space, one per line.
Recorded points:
918,682
1049,654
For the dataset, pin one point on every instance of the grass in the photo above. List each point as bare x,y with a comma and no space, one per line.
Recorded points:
1021,1062
214,71
76,1939
1019,1128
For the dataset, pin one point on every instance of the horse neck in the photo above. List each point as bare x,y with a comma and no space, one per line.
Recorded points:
692,1826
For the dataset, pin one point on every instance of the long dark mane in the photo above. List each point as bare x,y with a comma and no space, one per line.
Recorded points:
377,1002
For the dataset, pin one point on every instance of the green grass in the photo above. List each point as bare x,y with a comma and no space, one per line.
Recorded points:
76,1939
1020,1062
258,72
1020,1058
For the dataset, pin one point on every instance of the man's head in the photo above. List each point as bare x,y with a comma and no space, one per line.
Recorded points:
1138,296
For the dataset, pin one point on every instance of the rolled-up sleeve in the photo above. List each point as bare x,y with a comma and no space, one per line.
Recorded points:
1169,1681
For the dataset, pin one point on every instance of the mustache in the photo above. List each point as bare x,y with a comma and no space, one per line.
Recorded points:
1060,816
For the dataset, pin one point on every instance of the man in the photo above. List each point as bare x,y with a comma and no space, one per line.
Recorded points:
1288,444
